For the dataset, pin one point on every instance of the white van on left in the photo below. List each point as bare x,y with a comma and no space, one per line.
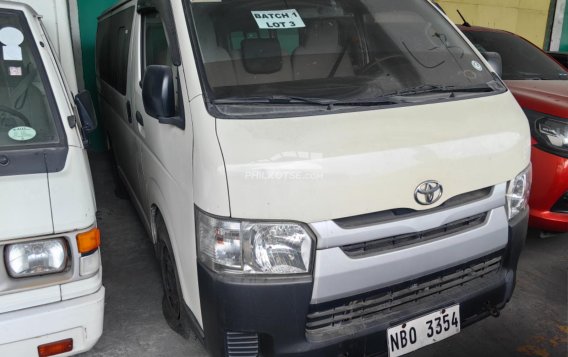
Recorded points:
51,292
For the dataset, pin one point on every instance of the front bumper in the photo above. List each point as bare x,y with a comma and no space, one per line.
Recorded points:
80,319
277,310
550,183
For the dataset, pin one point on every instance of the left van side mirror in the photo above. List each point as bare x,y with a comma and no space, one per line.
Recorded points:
86,110
495,61
158,95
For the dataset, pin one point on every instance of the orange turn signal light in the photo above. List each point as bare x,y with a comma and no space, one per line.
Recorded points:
89,241
55,348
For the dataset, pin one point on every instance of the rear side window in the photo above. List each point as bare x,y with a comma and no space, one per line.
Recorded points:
27,113
113,46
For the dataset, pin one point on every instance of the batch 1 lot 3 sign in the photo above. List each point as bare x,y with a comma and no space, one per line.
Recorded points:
278,19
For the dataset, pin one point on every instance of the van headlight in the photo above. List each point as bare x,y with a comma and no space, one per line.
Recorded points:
242,247
518,192
550,132
36,258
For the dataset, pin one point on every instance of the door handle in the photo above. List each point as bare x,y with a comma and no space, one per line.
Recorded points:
139,118
128,111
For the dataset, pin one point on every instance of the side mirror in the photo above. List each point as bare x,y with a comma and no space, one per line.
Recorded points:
158,95
86,110
495,61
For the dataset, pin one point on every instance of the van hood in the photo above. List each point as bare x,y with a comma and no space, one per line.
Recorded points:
550,97
41,204
318,168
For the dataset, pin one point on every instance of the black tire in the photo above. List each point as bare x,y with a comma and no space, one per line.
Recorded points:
172,301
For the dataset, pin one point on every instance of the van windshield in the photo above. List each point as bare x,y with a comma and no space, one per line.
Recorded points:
340,52
25,115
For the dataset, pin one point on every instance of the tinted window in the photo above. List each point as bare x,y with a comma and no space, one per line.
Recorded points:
521,60
26,116
155,42
113,45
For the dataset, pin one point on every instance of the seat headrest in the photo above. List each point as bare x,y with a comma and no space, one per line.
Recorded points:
261,55
322,36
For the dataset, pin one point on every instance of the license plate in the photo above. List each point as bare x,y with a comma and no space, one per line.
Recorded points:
423,331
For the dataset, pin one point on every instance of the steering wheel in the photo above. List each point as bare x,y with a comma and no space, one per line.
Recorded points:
10,118
377,63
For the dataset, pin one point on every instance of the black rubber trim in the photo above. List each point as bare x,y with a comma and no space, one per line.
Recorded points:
373,247
277,310
244,305
36,158
34,161
406,213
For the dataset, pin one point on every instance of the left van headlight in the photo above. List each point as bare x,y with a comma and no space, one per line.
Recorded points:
255,248
518,192
36,258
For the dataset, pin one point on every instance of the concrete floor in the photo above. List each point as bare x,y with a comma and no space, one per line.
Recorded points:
535,323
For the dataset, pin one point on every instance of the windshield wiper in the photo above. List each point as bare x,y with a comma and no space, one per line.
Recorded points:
274,99
329,103
436,88
368,102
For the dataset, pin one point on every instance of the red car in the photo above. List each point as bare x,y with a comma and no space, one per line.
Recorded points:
540,85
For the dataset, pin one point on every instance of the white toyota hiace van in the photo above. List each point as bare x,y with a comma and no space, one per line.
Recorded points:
319,177
51,293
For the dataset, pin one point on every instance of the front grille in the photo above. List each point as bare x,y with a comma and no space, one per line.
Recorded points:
380,245
241,344
372,219
348,315
562,205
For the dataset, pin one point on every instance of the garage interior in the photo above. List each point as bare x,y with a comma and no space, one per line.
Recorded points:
534,323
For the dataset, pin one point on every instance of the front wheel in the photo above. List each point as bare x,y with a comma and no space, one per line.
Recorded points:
172,301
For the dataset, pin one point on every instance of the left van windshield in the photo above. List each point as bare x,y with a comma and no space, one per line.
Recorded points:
26,118
311,52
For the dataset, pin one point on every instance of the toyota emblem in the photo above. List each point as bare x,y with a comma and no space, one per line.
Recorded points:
428,193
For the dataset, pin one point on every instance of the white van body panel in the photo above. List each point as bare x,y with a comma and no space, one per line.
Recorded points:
209,180
24,330
58,204
29,211
400,148
73,184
